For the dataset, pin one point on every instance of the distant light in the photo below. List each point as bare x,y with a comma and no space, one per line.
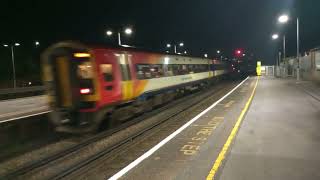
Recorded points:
85,91
128,31
179,53
5,45
181,44
283,18
17,44
275,36
243,54
29,83
167,51
81,55
37,43
185,52
205,55
109,33
218,51
168,45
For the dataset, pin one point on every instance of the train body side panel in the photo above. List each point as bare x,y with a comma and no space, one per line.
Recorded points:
109,77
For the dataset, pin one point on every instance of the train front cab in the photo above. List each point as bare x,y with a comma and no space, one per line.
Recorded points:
69,72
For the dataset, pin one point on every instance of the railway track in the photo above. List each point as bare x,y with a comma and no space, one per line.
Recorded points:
53,164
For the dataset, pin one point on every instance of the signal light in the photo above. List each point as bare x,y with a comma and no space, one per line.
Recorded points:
85,91
81,55
238,52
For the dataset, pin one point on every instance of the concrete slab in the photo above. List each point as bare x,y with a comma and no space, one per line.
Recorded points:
16,108
279,137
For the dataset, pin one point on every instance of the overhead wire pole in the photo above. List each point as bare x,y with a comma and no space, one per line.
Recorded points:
284,47
119,38
13,68
298,51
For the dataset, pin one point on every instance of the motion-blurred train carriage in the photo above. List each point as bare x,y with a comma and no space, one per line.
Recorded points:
91,85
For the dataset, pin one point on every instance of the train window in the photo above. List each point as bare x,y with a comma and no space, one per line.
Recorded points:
84,70
143,71
106,70
156,71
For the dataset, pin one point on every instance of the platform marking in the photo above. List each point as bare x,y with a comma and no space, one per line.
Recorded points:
229,104
233,133
171,136
200,137
22,117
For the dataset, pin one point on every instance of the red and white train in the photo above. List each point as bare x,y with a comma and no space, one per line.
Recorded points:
91,85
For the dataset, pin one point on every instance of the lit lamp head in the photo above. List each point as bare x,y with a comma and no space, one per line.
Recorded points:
109,33
275,36
128,31
283,19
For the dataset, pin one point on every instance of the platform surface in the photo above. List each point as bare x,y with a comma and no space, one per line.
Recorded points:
13,109
278,139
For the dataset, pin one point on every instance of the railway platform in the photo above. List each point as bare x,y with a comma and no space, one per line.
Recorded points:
20,108
265,128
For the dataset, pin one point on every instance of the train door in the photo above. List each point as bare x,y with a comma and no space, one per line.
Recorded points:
110,79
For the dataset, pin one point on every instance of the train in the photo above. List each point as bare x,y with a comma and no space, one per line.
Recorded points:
91,85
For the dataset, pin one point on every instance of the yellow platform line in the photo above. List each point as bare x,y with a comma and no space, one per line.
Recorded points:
232,135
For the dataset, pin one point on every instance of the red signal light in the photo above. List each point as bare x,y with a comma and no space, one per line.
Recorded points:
238,52
85,91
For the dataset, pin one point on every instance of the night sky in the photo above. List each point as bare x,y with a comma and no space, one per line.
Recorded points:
204,25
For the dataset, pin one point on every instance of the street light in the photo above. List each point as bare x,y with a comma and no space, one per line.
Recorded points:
13,64
175,47
284,19
275,36
109,33
218,51
127,31
37,43
205,55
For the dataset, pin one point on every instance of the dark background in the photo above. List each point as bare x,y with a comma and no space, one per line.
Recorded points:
203,25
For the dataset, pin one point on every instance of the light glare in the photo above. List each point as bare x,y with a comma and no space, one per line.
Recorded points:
128,31
81,55
283,18
17,44
109,33
275,36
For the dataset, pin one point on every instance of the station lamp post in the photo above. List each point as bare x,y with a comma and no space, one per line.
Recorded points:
283,19
175,47
275,37
127,31
11,46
